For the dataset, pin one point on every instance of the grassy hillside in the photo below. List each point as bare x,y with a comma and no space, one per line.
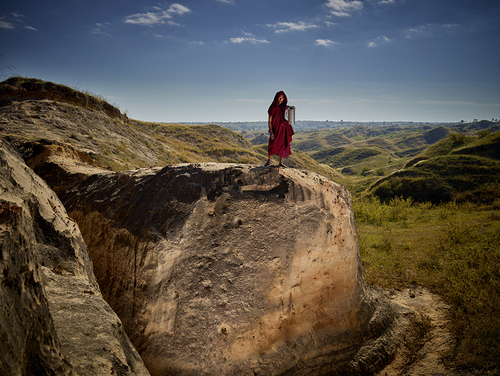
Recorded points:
459,168
38,115
445,178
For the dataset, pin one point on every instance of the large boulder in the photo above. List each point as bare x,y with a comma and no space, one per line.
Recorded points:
224,269
53,320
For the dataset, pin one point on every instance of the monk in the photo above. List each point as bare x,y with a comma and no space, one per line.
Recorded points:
280,131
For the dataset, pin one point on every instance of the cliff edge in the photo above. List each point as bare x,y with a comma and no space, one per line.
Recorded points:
234,269
53,320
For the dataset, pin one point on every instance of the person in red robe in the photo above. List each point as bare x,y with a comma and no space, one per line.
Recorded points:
280,131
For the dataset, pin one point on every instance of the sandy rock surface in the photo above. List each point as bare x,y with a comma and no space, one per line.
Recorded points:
225,269
413,303
53,319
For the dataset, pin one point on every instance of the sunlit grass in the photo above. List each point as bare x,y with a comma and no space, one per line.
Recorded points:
452,249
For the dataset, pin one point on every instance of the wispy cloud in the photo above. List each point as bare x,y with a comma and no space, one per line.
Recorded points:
378,40
386,2
284,27
6,25
14,21
251,40
99,29
160,16
326,42
232,2
343,8
196,43
430,30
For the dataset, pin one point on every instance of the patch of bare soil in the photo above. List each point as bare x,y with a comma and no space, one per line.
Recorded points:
415,304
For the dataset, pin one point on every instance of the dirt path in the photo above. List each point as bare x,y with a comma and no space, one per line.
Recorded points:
416,302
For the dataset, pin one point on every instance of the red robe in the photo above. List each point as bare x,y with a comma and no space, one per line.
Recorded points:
283,131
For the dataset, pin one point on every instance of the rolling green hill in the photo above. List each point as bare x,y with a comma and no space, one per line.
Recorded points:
459,168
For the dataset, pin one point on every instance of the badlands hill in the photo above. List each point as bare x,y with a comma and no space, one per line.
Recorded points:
210,263
45,121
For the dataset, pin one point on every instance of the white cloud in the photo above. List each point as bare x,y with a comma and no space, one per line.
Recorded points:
17,15
30,28
227,1
283,27
6,25
251,40
248,38
172,23
342,8
148,19
177,8
386,2
159,17
378,40
326,42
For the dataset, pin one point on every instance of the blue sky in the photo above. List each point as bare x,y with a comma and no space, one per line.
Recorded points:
223,60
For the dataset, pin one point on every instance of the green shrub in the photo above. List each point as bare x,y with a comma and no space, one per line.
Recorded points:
400,209
364,170
370,210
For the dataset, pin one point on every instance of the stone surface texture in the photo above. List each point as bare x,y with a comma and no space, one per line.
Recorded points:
53,320
225,269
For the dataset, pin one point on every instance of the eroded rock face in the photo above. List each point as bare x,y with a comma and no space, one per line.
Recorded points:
53,320
219,269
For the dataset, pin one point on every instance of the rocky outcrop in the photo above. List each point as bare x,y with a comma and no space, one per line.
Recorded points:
222,269
20,88
53,320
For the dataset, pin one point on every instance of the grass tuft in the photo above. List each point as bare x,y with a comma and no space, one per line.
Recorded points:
417,334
